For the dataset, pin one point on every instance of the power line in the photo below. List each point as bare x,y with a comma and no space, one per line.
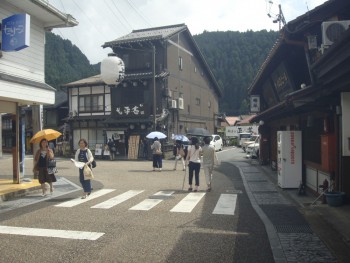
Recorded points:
115,15
130,2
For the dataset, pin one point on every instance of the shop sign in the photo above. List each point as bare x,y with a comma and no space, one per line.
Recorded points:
15,32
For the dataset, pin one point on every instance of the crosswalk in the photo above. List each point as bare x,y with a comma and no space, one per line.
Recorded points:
225,205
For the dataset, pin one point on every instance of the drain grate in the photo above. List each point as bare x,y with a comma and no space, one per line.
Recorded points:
293,229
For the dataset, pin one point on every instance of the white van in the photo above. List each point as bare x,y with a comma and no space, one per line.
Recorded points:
242,137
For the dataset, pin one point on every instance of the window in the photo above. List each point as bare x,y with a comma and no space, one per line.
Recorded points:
180,63
7,124
198,101
91,103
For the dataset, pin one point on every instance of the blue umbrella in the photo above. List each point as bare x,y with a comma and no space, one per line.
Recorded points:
180,137
155,134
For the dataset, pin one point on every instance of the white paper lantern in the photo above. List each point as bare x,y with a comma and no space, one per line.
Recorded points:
112,70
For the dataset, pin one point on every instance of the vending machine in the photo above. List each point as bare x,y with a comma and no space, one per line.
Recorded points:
289,167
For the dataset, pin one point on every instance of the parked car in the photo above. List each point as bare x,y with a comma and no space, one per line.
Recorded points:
251,140
242,137
252,149
216,141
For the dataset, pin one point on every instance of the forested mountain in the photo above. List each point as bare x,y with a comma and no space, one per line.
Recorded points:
64,62
234,58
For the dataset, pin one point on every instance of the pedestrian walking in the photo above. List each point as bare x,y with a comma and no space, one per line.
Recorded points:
112,149
179,154
41,159
84,155
209,160
157,154
194,163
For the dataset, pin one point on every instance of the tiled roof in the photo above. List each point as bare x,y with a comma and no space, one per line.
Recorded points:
148,34
232,120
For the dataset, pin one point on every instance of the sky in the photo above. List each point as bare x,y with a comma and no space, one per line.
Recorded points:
105,20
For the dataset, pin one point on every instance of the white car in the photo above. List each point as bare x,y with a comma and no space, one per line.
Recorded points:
216,141
252,149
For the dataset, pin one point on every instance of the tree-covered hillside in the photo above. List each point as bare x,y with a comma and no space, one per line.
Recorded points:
64,62
234,58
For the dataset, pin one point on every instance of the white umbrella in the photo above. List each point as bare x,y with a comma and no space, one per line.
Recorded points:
155,134
180,137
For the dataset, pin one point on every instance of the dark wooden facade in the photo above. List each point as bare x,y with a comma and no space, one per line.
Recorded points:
300,86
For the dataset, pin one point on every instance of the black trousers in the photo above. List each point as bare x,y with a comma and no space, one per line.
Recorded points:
194,167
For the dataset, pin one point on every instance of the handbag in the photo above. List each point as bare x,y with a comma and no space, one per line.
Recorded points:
158,152
88,175
51,163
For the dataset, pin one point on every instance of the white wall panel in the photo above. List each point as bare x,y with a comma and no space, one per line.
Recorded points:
311,178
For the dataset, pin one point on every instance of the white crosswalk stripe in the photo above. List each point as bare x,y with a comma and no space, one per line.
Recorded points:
226,205
40,232
187,204
79,201
118,199
148,204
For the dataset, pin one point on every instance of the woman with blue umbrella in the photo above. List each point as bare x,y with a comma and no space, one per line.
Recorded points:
157,154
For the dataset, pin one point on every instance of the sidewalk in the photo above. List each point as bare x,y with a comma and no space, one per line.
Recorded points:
298,231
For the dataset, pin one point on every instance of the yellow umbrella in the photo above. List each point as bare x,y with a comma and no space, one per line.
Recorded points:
48,134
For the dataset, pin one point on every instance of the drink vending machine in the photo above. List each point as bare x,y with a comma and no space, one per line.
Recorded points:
289,167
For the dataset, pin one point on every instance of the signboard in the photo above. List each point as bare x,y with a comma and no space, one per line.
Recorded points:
233,131
15,32
254,103
281,81
130,110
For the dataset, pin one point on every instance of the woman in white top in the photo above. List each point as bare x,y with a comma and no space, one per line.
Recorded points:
194,165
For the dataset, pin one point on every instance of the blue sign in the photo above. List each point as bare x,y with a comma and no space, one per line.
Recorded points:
15,32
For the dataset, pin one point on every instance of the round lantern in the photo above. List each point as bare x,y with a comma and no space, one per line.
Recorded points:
112,70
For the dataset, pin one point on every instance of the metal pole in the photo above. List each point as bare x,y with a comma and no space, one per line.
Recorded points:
154,88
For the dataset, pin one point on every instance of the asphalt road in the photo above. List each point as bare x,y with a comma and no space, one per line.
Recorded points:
127,231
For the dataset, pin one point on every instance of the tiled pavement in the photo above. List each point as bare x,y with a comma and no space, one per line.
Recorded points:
291,237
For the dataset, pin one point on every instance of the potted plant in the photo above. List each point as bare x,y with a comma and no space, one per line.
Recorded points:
334,198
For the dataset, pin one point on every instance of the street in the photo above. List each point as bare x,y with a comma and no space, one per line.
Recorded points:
134,215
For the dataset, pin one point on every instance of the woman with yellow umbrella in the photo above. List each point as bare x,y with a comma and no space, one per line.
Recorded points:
42,156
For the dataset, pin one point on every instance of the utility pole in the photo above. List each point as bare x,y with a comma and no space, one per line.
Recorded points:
154,89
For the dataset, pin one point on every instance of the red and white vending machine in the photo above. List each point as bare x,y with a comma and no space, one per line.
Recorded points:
289,168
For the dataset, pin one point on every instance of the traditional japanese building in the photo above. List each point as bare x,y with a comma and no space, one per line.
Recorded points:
168,86
304,85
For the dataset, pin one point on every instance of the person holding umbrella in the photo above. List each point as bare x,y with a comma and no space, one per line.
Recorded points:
194,165
41,158
157,154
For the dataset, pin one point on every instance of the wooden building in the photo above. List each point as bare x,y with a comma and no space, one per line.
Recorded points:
304,85
168,87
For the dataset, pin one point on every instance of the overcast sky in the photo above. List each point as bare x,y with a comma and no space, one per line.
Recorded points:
105,20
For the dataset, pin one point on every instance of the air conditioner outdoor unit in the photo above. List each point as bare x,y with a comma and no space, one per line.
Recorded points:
332,30
181,103
173,104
